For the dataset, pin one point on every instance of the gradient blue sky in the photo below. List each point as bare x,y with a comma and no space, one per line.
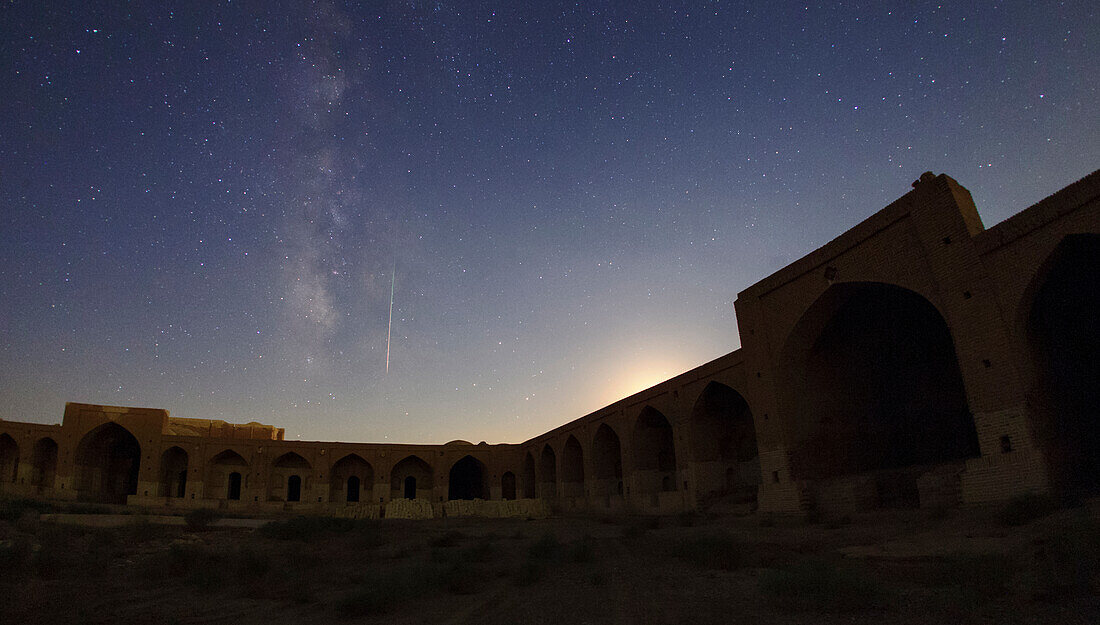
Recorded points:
201,203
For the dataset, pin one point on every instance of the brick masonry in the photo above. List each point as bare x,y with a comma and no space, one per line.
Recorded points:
930,243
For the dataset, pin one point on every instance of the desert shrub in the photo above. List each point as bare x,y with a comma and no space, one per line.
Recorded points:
448,539
1026,508
181,559
835,523
690,518
814,516
206,579
818,586
306,528
583,550
249,564
200,519
15,509
973,578
15,556
140,530
481,552
380,591
545,548
529,573
712,551
368,599
1068,565
86,508
460,578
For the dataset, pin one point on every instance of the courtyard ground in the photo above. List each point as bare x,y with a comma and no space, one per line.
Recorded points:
1029,562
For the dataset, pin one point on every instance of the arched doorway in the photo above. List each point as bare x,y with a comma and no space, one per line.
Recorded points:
468,480
9,458
352,478
173,473
572,468
287,477
1063,337
294,488
529,479
107,462
45,463
226,476
411,478
233,487
548,473
607,461
654,452
508,486
723,443
874,386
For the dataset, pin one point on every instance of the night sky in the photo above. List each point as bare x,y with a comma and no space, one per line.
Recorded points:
202,205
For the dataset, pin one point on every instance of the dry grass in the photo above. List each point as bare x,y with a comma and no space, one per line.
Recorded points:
558,570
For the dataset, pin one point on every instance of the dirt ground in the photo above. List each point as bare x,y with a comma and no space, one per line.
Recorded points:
958,566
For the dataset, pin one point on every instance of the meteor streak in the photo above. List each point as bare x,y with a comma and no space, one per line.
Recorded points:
389,327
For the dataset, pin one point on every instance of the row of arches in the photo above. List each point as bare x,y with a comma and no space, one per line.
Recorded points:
722,447
43,461
869,382
108,460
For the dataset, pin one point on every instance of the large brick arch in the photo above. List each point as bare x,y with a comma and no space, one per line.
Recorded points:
107,463
1059,319
548,472
227,475
411,476
530,480
289,477
654,457
172,478
872,382
9,458
607,463
723,442
44,464
572,468
351,480
468,479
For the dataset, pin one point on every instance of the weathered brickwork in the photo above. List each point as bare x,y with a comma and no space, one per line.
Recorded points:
913,360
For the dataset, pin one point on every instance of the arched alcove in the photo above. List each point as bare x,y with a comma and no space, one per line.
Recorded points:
654,452
225,475
873,385
107,462
288,474
548,473
572,468
351,480
607,462
529,479
45,463
173,472
411,476
1062,329
723,443
468,479
9,458
508,486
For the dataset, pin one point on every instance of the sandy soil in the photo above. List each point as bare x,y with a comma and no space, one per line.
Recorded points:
960,566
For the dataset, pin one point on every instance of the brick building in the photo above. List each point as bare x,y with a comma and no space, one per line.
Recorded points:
917,359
